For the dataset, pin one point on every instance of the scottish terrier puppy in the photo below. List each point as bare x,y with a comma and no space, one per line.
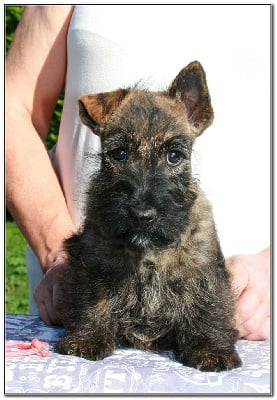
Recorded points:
147,270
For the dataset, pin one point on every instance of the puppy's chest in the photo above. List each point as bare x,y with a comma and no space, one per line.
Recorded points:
144,294
149,287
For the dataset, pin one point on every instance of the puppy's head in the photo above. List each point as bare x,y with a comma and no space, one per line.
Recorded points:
144,190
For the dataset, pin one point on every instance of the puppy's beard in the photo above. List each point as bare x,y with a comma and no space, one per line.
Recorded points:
141,241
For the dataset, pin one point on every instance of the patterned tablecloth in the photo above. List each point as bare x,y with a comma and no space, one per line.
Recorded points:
127,370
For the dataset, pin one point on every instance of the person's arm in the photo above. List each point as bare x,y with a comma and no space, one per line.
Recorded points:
251,283
35,75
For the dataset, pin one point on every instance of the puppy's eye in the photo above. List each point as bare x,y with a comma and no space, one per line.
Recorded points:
119,154
174,158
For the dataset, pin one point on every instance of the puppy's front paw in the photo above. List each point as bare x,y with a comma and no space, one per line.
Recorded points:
84,347
213,360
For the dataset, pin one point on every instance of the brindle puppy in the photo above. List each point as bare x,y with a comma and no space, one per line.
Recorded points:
147,267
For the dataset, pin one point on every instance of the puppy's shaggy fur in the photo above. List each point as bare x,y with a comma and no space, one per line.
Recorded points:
147,269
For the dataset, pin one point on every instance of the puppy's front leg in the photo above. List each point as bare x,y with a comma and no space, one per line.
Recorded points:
92,344
206,354
91,332
211,359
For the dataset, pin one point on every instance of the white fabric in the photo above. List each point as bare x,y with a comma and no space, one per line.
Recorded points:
112,46
126,371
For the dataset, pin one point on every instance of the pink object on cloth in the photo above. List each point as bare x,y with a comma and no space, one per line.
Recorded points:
35,348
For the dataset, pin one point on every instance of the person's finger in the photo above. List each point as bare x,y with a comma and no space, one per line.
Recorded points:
246,307
42,296
43,313
48,301
254,324
56,305
42,310
47,296
262,333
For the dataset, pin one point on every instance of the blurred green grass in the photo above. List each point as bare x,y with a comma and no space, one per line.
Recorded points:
16,279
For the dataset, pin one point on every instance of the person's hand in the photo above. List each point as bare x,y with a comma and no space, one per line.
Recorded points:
251,283
47,295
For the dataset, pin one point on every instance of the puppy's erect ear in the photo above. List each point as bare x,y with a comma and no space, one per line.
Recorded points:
95,109
190,87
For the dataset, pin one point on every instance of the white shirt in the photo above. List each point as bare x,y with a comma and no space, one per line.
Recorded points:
112,46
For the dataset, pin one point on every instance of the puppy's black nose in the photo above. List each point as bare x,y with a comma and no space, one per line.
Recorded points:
144,215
